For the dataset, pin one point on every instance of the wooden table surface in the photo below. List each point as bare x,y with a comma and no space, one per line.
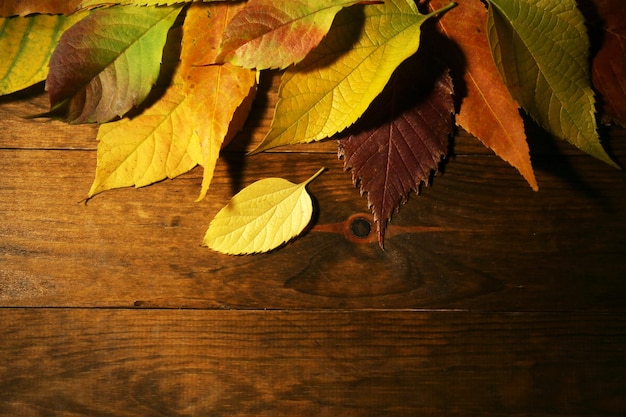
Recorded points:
489,300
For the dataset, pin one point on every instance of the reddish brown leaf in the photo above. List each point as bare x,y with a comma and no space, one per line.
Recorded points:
401,138
24,7
607,18
487,111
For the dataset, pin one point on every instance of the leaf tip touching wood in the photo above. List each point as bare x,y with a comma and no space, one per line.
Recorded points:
402,137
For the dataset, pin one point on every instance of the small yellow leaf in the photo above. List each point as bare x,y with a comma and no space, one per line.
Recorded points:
261,217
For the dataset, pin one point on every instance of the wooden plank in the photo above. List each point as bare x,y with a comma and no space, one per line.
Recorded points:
100,362
478,239
95,362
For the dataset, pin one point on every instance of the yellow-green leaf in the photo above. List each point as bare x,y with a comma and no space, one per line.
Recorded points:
261,217
541,49
330,89
27,44
107,63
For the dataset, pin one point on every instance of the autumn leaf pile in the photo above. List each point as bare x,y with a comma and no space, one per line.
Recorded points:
170,82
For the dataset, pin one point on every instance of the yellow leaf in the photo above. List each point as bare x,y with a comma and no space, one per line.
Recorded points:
186,126
261,217
331,88
159,143
220,96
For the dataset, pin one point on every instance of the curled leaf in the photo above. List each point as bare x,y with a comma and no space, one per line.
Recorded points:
261,217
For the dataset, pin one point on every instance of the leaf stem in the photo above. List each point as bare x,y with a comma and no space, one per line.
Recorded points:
317,174
442,10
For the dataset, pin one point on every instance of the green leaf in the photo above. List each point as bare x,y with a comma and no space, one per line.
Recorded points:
541,49
332,87
261,217
108,62
27,44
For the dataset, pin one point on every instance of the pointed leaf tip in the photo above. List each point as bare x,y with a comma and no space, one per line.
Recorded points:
487,109
401,138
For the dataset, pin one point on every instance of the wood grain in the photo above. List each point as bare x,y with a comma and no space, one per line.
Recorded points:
282,363
494,245
489,300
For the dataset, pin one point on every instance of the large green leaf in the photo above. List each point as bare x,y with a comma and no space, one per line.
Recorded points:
108,62
541,49
27,44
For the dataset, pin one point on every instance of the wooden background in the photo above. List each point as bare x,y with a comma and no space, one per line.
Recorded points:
489,300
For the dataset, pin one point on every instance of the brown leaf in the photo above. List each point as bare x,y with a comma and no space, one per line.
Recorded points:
607,18
24,7
487,111
401,138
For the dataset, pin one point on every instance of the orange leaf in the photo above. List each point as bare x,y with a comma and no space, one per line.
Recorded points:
488,110
219,95
185,126
270,34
